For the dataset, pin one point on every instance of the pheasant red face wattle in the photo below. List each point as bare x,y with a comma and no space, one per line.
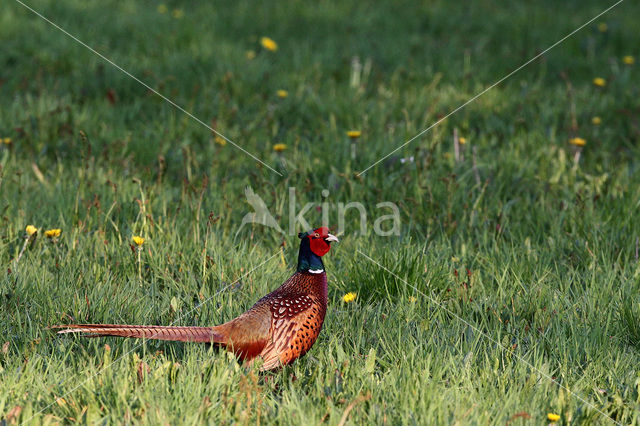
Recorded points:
320,240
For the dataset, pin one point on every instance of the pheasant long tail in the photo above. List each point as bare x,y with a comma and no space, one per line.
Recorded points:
180,334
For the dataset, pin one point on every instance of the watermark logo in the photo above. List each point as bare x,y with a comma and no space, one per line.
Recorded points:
386,215
261,214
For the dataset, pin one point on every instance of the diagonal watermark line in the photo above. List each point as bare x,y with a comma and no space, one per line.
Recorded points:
490,87
175,105
151,337
487,336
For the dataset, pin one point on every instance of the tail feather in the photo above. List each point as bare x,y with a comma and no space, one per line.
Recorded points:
157,332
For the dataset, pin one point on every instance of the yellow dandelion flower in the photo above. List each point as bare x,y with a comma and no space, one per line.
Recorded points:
177,13
138,240
462,141
354,134
412,299
349,297
269,44
596,121
629,60
52,233
599,81
162,8
282,93
553,417
250,54
577,141
603,27
6,141
220,140
279,147
31,230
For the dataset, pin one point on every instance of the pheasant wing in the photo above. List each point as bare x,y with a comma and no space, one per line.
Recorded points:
295,325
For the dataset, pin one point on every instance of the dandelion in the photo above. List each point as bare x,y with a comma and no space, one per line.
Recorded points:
31,230
52,233
220,140
162,8
599,81
139,241
269,44
250,54
177,13
279,147
412,299
553,417
596,121
6,141
462,141
603,27
354,135
349,297
577,142
282,93
628,60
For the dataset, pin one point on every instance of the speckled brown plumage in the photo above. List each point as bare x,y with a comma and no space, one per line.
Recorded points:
281,327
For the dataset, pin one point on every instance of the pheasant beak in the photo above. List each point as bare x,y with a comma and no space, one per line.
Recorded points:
331,238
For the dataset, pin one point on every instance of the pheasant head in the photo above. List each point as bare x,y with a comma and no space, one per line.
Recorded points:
313,245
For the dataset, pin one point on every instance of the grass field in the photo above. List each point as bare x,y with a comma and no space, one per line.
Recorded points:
512,291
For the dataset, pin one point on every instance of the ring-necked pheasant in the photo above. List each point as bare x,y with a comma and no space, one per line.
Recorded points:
279,328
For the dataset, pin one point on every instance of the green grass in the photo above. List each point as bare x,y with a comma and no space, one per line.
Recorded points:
550,243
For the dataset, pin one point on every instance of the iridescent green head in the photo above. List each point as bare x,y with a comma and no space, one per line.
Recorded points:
313,245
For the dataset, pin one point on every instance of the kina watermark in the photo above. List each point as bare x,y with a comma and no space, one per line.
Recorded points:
352,216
